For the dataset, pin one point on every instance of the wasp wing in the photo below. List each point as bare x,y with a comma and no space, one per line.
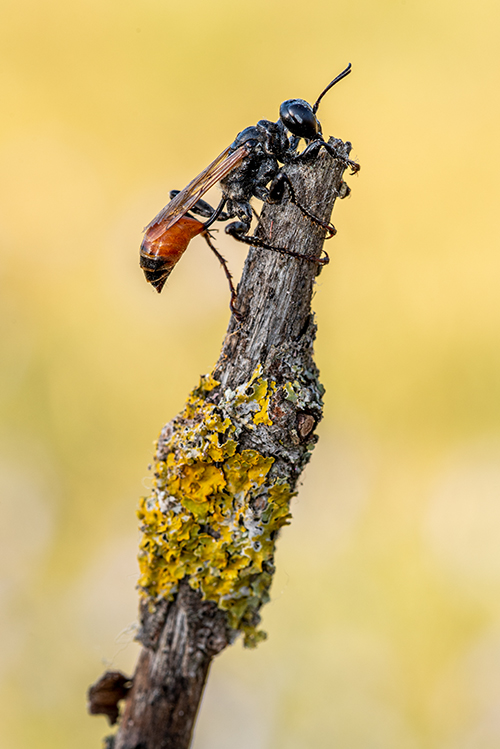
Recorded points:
186,199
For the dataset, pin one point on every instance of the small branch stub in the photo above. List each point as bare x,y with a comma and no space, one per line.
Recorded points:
106,693
226,469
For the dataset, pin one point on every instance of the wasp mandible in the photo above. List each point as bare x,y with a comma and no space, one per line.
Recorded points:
243,170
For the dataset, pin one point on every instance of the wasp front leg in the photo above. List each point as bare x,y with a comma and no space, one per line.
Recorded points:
312,150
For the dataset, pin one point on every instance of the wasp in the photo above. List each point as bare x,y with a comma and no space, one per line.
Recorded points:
249,167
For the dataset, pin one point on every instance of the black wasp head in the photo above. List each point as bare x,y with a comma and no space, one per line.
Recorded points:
298,117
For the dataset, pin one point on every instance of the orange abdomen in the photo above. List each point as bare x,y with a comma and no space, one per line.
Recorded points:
161,251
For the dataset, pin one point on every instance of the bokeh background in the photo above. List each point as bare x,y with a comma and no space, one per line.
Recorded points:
384,628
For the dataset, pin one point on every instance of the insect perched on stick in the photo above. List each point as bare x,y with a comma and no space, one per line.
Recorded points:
244,170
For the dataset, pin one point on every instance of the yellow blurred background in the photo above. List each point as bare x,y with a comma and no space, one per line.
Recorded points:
384,628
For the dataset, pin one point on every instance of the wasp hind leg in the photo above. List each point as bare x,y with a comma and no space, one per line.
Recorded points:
202,208
234,299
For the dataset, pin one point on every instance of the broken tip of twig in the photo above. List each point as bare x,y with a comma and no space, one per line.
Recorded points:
104,696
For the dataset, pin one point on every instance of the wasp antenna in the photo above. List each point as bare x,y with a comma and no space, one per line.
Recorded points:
335,80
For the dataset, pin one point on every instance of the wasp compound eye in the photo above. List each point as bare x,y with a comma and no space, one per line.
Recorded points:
298,117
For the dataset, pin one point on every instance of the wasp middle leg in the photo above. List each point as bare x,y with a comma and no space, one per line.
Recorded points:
202,208
276,193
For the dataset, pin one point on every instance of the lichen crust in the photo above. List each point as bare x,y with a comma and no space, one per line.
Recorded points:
215,509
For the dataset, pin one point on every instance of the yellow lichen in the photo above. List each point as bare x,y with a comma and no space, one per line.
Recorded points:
214,513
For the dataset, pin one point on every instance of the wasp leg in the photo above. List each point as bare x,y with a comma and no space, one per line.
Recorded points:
217,214
257,215
276,192
312,149
223,262
238,230
265,174
294,141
